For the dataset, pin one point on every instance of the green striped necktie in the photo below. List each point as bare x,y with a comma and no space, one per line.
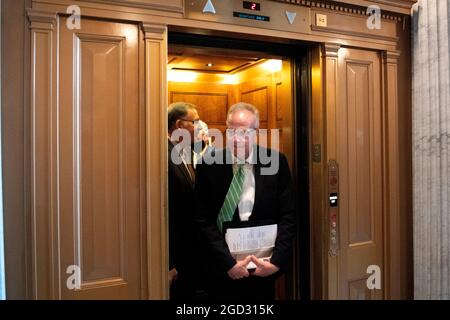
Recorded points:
232,197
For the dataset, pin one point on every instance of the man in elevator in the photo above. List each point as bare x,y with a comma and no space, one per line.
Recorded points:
183,241
235,185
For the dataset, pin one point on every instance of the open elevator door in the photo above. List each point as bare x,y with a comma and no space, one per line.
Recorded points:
231,70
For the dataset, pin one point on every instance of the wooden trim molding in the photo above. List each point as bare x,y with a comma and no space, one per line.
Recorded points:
169,6
354,33
391,57
154,31
330,62
47,19
156,158
390,10
407,4
331,50
43,142
391,175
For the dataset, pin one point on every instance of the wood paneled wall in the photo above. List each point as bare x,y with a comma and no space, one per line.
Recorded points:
212,100
30,111
96,188
359,154
99,156
270,93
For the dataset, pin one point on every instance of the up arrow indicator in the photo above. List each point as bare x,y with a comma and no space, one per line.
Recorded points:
291,16
209,8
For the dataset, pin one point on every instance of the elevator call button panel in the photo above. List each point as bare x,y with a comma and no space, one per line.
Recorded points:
333,207
263,13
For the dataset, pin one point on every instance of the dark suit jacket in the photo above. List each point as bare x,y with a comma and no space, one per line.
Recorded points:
182,234
274,200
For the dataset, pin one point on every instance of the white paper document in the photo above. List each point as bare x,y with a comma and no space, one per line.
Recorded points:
258,241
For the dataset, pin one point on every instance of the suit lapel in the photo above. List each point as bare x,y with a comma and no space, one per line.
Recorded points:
180,167
228,169
184,170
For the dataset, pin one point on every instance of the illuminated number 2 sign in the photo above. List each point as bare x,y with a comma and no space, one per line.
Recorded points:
252,6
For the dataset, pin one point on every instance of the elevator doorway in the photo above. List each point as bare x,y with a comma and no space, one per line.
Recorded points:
274,78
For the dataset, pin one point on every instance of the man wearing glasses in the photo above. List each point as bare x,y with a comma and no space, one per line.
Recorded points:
239,190
183,240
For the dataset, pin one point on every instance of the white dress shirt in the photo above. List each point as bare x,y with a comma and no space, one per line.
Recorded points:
247,200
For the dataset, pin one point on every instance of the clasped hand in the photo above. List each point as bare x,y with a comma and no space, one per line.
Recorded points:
263,268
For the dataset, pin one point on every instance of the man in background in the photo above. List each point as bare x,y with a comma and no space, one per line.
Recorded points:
183,238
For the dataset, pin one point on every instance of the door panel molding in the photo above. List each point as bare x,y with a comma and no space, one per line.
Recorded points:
43,170
391,168
155,37
330,56
100,157
359,138
94,56
71,120
354,139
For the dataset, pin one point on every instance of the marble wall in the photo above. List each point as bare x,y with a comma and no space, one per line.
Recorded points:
431,145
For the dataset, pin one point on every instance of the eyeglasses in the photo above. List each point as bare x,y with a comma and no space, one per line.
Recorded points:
240,132
194,122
